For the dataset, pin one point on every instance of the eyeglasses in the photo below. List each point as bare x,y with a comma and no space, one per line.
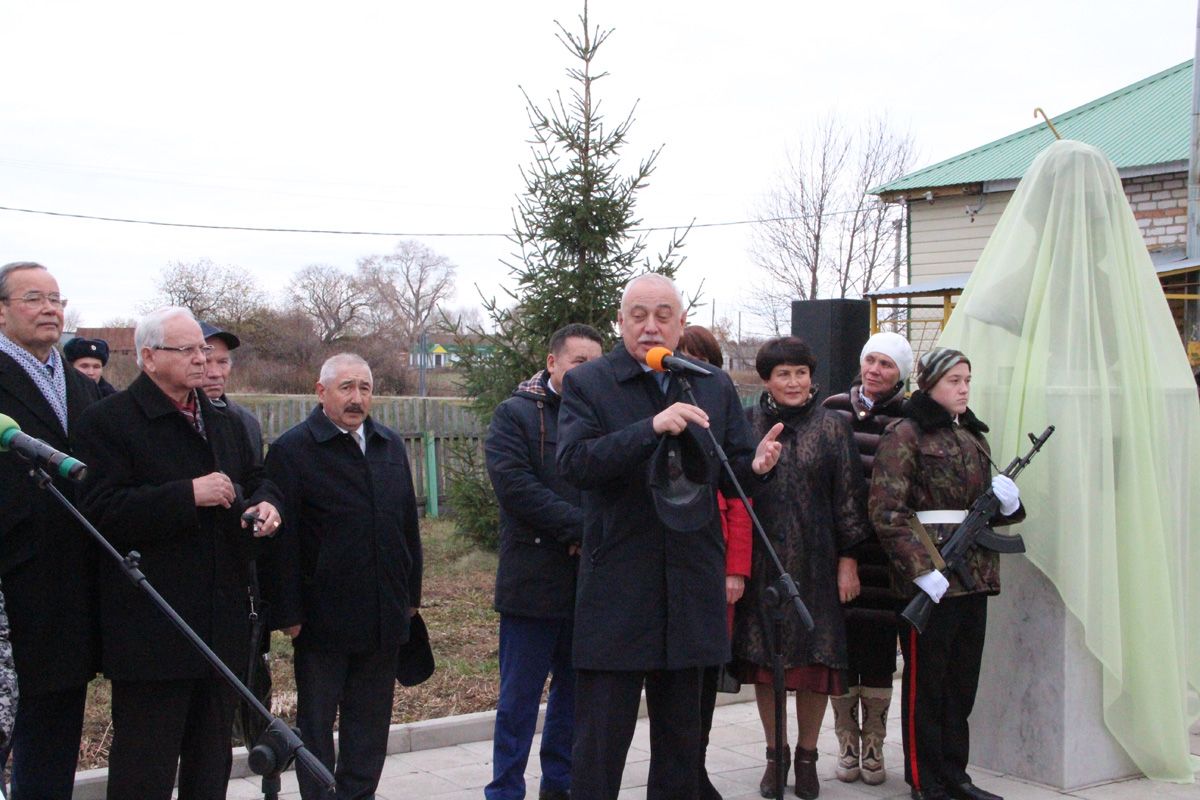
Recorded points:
38,299
196,349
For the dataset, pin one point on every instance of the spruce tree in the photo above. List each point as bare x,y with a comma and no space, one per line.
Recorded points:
572,230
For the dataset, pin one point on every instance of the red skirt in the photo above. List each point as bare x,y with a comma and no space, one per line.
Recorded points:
810,677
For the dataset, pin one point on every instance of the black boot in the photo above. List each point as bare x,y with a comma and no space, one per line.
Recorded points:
767,786
807,785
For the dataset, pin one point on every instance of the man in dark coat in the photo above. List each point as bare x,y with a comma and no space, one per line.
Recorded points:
348,573
650,607
169,476
217,370
541,527
46,558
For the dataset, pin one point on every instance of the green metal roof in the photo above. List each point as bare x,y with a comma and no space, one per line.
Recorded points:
1145,123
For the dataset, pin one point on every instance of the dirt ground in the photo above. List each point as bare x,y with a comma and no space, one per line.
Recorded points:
457,607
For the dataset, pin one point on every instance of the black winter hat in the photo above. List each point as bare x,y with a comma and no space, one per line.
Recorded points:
79,348
681,483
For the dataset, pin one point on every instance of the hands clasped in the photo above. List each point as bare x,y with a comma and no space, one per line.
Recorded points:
674,419
216,489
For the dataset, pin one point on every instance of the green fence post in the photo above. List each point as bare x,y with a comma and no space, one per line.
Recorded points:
431,475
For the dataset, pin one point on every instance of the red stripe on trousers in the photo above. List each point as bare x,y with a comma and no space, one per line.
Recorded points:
912,709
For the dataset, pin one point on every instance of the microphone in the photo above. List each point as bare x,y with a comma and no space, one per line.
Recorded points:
660,359
37,451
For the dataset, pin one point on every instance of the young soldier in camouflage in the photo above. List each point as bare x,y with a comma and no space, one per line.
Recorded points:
929,468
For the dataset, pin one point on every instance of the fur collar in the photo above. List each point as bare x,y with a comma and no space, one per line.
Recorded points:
929,415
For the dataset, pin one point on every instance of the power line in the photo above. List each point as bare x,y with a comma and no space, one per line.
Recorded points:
256,229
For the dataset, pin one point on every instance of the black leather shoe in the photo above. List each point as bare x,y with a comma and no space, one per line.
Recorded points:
969,791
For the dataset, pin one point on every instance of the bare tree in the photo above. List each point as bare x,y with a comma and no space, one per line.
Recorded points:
72,318
331,298
406,288
210,291
820,233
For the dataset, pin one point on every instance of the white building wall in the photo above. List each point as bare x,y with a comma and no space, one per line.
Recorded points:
945,240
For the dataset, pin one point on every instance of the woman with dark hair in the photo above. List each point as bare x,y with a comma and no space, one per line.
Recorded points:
929,469
875,400
814,512
700,344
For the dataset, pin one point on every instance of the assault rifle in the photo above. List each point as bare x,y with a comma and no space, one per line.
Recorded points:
974,532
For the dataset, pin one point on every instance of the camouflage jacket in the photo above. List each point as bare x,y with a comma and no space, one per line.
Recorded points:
924,463
8,681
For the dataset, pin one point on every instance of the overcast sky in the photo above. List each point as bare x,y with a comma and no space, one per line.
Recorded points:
408,117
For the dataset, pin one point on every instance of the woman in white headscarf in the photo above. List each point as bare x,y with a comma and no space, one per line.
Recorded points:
875,400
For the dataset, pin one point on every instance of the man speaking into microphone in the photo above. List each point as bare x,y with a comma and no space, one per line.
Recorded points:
650,605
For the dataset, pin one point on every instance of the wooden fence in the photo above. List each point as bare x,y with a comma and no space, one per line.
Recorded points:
433,429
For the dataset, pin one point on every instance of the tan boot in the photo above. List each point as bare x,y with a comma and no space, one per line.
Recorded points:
767,786
845,725
875,704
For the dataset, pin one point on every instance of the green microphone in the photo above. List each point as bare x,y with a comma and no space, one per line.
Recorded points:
38,452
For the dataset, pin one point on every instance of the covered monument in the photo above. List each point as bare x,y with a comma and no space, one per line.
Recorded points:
1092,668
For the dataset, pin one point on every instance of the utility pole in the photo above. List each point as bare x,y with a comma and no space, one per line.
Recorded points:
1193,217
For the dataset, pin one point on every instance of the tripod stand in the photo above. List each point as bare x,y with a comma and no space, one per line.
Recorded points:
776,599
279,745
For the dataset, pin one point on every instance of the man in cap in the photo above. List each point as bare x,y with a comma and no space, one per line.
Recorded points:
348,572
46,558
217,369
541,526
90,356
650,608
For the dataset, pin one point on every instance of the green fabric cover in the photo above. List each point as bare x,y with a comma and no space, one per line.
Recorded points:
1065,323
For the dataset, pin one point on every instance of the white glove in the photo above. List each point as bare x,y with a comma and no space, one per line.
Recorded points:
933,584
1007,493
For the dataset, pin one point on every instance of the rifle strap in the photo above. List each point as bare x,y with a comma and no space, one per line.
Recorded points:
924,538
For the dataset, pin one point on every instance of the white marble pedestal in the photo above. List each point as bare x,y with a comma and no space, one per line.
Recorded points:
1038,714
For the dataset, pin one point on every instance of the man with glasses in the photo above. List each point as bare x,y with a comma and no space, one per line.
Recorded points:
170,476
46,559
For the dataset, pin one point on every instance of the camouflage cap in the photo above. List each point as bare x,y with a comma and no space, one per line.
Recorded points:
935,364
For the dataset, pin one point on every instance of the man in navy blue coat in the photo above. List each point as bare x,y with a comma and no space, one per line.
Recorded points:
650,607
346,575
541,527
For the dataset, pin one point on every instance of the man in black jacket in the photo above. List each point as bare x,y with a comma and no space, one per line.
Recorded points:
541,527
170,476
650,608
46,558
347,575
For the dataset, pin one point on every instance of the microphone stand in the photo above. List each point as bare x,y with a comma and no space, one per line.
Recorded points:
776,598
279,744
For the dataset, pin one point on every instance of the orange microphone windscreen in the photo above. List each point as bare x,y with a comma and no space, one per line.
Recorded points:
655,356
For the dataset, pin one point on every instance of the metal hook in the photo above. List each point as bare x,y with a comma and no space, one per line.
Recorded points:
1049,124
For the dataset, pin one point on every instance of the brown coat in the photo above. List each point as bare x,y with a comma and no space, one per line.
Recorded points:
813,511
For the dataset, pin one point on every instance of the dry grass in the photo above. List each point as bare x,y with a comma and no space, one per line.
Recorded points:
457,607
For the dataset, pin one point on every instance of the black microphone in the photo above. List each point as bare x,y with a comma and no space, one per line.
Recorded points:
37,451
660,359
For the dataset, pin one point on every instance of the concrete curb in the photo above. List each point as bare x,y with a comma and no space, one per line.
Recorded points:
405,737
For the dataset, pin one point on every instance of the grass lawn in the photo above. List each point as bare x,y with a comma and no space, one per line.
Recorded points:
457,607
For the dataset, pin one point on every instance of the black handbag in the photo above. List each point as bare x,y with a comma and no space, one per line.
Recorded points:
248,724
